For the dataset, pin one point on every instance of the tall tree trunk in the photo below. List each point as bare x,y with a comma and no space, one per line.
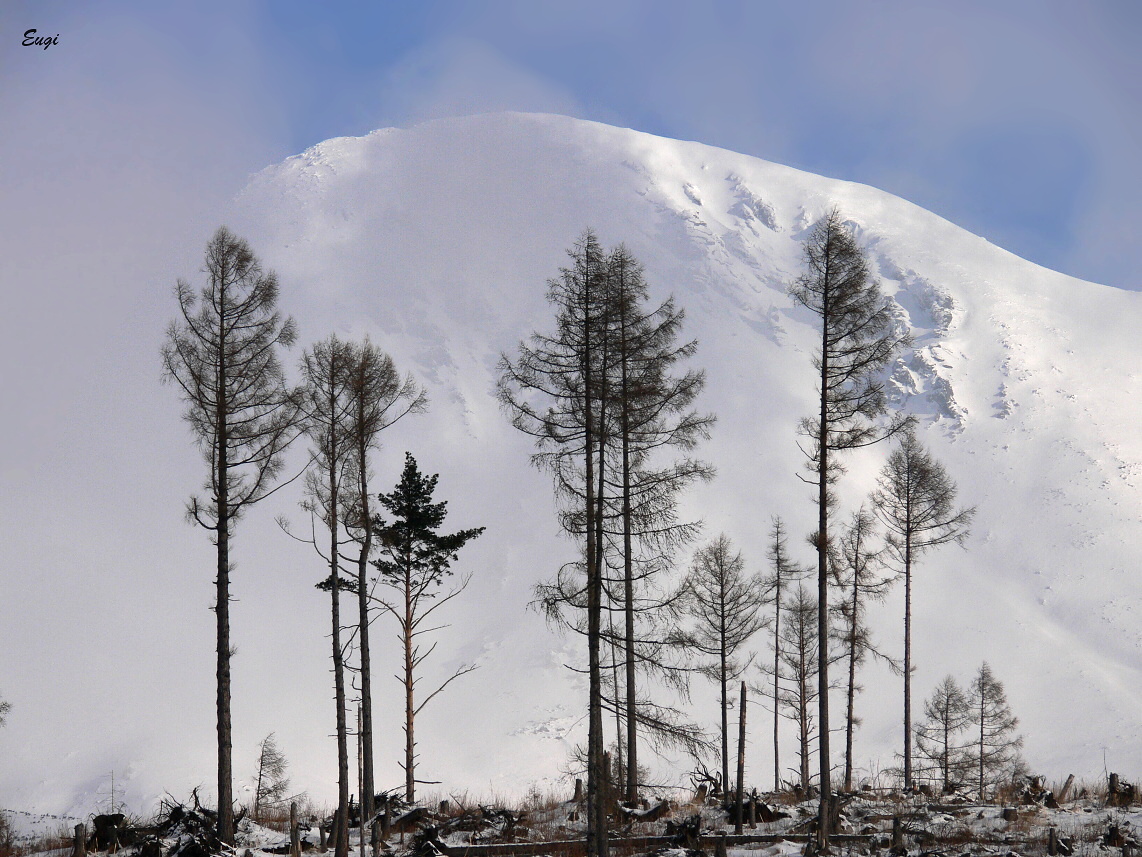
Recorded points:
361,819
258,785
628,595
777,686
222,606
981,739
725,703
852,686
367,789
602,793
620,707
823,592
804,724
947,751
908,662
628,569
341,841
409,709
596,813
741,763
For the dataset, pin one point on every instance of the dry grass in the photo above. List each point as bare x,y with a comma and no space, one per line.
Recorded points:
59,840
276,817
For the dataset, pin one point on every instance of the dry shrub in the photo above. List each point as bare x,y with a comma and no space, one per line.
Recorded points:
7,837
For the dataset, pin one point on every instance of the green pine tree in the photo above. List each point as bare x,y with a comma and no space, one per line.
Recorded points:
415,560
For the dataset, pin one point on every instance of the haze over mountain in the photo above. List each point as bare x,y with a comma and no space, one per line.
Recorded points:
437,241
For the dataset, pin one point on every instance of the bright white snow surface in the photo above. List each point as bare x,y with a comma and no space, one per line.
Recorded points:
437,241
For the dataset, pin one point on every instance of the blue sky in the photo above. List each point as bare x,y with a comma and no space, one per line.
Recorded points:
1018,120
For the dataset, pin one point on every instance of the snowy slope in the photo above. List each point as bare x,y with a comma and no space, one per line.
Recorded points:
438,240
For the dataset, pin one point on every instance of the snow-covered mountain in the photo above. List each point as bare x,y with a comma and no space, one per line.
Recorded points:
437,241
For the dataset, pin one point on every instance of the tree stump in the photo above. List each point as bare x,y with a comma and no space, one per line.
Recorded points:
79,848
294,832
1065,791
1114,837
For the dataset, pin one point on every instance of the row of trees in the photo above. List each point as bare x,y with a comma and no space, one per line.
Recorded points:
610,404
599,398
913,506
223,354
970,736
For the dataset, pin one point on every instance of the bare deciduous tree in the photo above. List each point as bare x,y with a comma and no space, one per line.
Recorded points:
915,500
798,672
857,563
995,750
223,356
326,411
271,785
857,341
603,400
555,392
784,573
651,411
947,713
724,604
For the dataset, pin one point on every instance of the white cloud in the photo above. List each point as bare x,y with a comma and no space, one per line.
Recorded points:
459,76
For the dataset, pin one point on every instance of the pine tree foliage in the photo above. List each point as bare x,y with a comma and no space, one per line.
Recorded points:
415,560
271,785
940,736
5,707
995,746
723,603
915,500
857,342
223,356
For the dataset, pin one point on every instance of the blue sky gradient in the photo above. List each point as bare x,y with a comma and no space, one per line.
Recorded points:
1018,120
